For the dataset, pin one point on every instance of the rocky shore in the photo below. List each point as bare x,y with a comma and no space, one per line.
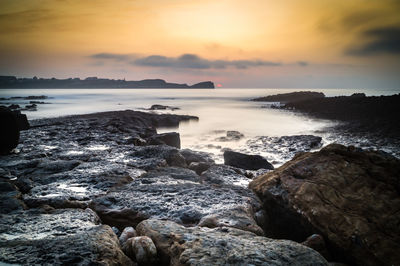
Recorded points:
106,189
373,118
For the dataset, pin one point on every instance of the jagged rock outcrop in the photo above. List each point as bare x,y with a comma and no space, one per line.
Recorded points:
349,196
179,245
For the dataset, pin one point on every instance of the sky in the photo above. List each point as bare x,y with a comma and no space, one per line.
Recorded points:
236,43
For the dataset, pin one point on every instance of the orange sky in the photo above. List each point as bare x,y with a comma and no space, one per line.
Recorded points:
239,43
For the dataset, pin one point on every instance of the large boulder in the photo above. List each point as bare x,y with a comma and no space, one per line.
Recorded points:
9,133
245,161
347,195
179,245
63,237
171,139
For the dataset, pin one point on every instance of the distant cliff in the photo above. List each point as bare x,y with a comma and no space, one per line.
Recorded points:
93,82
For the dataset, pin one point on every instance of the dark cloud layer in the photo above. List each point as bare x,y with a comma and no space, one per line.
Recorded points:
185,61
379,41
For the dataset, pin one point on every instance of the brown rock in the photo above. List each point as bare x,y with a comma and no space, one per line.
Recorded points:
349,196
142,250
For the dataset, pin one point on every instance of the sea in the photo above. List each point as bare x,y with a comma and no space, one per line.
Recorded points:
219,111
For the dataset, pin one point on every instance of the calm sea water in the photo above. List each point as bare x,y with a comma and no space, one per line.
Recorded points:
219,110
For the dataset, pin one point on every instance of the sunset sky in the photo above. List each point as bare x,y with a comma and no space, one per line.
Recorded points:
238,43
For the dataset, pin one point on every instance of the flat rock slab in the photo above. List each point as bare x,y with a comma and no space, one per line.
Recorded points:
179,195
179,245
67,237
349,196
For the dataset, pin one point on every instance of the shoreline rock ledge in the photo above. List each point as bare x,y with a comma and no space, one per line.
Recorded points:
349,196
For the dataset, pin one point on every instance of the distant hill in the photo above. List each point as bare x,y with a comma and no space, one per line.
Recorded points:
94,82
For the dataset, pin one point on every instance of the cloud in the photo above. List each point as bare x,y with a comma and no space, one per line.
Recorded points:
302,63
382,41
197,62
117,57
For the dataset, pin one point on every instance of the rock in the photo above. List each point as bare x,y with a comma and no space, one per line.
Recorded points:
170,139
176,159
179,245
127,233
291,97
347,195
152,157
240,218
14,106
10,198
176,194
9,133
285,147
225,175
231,136
196,156
163,107
142,250
63,237
244,161
317,242
199,168
358,95
203,85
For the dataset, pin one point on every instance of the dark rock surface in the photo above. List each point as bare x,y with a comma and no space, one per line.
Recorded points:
284,147
178,245
245,161
347,195
170,139
179,195
231,135
61,237
376,115
9,133
163,107
291,97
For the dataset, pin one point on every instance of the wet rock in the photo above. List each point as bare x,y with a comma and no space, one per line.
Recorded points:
199,168
127,233
170,139
30,107
225,175
291,97
9,133
64,237
178,245
347,195
196,156
152,157
142,250
175,194
14,106
163,107
9,198
176,159
231,136
244,161
285,147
